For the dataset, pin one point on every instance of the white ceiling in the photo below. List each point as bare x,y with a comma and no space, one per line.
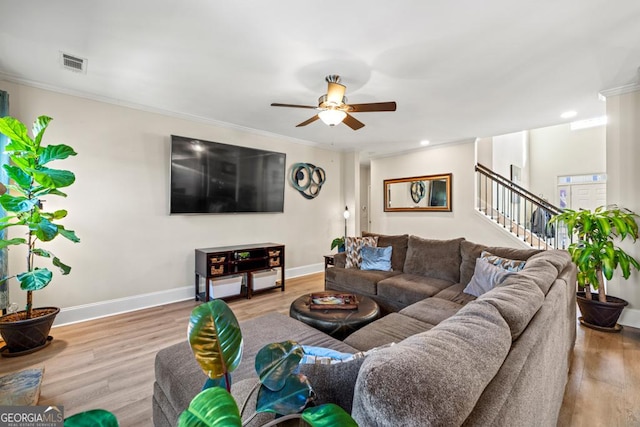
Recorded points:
458,69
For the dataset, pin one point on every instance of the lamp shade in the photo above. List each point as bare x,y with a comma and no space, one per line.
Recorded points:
346,213
332,117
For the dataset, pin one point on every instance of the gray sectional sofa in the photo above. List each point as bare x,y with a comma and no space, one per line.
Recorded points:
501,359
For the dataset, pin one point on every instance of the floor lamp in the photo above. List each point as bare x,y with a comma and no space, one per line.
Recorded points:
346,215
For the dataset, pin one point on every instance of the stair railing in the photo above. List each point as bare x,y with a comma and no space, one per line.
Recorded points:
518,210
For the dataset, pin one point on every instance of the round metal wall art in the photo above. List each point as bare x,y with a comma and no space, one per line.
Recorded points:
308,179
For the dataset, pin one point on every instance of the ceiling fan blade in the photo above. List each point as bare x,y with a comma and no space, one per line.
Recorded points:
352,122
275,104
335,93
306,122
374,106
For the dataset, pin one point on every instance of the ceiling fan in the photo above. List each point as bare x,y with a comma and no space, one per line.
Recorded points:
334,108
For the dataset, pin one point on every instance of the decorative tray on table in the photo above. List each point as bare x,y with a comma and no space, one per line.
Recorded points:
332,300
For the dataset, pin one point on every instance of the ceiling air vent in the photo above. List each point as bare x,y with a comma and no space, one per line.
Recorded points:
73,63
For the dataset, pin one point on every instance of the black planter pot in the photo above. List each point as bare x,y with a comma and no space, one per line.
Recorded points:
602,316
25,336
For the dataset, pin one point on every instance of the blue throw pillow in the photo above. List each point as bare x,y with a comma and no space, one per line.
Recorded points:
486,276
374,258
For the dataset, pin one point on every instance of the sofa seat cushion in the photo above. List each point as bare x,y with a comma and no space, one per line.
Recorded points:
455,294
439,259
359,281
392,328
432,310
409,288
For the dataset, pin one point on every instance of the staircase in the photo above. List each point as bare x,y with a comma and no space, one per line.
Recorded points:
517,210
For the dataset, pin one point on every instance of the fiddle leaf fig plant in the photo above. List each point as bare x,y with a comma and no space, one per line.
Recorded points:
595,253
216,342
32,179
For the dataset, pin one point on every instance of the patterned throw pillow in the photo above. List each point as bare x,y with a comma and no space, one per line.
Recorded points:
353,247
514,265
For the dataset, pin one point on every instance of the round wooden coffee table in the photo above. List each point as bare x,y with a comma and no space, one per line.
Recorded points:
338,323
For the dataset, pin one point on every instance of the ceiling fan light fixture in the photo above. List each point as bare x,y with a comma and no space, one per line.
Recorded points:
335,93
332,117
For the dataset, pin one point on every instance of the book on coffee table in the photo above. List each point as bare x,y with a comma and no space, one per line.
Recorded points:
331,301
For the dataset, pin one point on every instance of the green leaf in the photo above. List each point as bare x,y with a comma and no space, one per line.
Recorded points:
34,280
68,234
38,128
213,407
17,132
215,338
17,204
276,361
604,226
623,261
290,399
59,214
55,152
16,241
44,230
64,269
53,178
43,191
92,418
42,253
19,176
4,225
608,265
328,415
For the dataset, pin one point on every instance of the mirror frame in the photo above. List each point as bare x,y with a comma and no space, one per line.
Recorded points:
447,177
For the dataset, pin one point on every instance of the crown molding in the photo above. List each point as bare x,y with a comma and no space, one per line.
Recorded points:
621,90
149,109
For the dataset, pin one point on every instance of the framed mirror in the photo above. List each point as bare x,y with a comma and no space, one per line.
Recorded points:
430,193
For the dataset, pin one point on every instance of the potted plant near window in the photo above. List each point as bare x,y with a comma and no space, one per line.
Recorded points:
32,179
596,256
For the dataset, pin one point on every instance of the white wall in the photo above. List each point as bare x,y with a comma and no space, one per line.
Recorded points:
557,151
365,180
484,151
351,192
623,177
463,221
511,149
118,206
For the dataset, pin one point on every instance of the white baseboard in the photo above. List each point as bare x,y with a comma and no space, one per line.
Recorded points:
97,310
304,270
630,317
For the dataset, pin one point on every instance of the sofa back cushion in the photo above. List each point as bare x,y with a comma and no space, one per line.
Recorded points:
517,299
439,259
398,243
435,377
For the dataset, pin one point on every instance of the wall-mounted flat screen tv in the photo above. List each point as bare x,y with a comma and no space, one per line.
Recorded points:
211,177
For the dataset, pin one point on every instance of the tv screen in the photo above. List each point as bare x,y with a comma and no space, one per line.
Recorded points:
211,177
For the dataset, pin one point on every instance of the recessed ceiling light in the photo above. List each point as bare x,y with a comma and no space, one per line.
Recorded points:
568,114
424,142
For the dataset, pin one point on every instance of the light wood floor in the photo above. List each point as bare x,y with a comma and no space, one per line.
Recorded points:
108,363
